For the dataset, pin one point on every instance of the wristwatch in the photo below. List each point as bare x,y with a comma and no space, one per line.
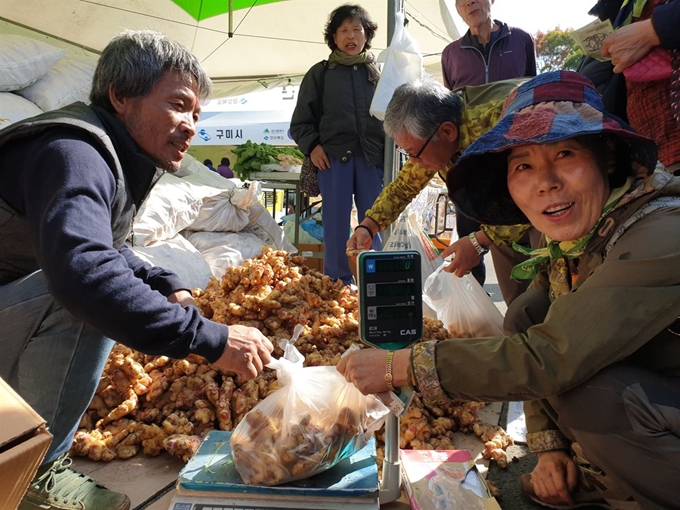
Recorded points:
478,247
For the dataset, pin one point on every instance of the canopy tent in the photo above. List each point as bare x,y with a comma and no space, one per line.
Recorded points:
274,42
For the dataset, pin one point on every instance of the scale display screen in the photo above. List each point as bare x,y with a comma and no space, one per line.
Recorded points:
390,298
393,266
396,312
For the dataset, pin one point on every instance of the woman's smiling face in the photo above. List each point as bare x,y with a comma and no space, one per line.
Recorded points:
559,187
350,37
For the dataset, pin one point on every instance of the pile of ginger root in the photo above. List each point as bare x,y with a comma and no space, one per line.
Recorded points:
152,404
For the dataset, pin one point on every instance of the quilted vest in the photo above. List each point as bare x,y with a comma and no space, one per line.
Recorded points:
17,257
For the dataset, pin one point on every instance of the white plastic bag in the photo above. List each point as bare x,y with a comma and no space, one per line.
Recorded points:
407,235
315,420
403,63
462,305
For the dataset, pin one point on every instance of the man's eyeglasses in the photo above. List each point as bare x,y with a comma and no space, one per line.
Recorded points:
461,2
422,149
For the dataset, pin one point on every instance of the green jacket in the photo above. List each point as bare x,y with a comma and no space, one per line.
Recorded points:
627,293
481,111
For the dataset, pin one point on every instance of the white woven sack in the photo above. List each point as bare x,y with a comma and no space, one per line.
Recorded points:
179,256
225,249
14,108
23,61
67,82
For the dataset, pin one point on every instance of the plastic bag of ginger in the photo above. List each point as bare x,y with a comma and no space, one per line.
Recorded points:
315,420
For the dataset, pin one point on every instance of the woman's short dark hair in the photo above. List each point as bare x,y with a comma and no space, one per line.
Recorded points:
339,15
225,162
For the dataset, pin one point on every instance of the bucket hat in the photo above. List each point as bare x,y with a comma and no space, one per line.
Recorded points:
552,107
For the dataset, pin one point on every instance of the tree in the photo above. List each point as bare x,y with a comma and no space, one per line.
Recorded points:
556,50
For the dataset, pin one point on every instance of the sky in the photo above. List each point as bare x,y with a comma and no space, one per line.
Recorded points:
535,15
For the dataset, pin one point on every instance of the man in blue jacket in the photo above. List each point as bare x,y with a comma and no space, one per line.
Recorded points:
71,182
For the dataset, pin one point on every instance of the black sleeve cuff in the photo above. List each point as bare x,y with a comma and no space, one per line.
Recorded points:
665,20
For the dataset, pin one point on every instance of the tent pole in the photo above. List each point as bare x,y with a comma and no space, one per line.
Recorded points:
231,19
390,165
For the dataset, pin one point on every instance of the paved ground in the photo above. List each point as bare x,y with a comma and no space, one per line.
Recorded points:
522,460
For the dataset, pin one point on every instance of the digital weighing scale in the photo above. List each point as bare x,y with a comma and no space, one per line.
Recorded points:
390,317
390,299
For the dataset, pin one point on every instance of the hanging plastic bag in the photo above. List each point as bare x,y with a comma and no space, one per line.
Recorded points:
407,235
403,63
315,420
462,305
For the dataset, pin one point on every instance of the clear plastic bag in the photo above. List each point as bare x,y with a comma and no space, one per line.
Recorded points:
449,493
407,234
315,420
462,305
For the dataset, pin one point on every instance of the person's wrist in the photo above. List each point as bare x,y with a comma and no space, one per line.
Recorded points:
652,36
400,364
364,227
389,377
481,251
372,224
483,239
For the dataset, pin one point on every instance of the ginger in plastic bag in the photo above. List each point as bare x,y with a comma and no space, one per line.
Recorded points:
311,423
462,305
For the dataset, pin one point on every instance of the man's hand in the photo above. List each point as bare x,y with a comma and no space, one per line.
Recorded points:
555,477
319,158
247,351
465,257
361,239
182,297
629,44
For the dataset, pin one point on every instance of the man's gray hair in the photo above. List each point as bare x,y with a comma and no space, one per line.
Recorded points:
134,61
419,107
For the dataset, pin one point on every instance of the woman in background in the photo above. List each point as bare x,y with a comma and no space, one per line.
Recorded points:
332,125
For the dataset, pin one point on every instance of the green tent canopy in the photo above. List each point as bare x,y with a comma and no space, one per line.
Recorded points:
203,9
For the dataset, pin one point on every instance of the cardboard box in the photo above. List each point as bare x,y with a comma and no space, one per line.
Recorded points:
314,255
24,440
444,480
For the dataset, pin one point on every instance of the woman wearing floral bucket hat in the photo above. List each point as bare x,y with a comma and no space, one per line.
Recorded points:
593,346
